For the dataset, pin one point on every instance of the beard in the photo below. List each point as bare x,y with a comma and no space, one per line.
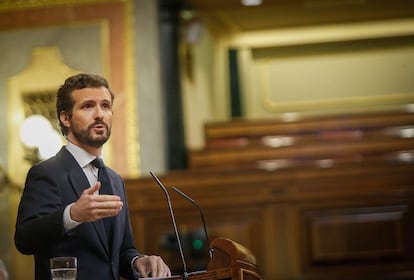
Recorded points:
86,136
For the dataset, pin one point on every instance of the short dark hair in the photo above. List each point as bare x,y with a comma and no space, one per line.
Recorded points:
64,100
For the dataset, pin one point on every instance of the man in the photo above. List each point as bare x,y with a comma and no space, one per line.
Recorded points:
63,211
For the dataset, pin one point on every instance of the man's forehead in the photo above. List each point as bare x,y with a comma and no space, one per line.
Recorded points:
91,93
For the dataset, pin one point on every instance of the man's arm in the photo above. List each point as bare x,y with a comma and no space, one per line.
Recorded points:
40,214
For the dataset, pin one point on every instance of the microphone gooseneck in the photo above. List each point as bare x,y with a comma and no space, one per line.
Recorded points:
210,253
185,274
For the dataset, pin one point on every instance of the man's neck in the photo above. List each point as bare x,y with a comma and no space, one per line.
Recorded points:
91,150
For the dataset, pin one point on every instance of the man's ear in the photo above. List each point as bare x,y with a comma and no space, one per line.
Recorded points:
64,118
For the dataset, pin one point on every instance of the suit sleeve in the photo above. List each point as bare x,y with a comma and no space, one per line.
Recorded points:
128,250
39,222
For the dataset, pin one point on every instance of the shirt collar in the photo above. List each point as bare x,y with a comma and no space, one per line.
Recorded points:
81,156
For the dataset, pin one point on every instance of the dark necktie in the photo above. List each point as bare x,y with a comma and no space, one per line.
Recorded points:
103,177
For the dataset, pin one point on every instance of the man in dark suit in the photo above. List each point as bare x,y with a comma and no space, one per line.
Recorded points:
70,207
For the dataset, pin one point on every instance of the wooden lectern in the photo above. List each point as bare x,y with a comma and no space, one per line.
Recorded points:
229,261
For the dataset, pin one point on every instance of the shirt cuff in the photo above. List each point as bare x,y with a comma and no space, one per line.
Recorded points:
68,223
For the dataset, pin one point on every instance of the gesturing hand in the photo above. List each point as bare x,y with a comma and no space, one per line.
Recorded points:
91,207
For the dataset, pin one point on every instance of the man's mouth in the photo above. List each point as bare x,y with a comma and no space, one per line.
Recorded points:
99,127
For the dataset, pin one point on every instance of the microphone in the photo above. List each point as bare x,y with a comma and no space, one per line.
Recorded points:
210,253
185,274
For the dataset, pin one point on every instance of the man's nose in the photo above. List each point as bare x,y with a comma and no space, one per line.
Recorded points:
99,112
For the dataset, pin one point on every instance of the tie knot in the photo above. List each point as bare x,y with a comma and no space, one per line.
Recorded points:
98,163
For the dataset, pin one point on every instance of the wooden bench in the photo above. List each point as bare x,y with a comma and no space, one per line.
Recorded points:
268,144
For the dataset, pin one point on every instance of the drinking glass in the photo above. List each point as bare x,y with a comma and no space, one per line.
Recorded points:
63,268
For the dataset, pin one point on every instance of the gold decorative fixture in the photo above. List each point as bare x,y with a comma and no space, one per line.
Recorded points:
32,114
39,137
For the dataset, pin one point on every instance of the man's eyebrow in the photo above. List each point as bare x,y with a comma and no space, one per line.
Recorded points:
87,101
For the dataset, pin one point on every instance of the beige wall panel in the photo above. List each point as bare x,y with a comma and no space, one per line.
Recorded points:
327,69
330,81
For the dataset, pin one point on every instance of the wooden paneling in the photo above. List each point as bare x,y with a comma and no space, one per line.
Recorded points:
356,234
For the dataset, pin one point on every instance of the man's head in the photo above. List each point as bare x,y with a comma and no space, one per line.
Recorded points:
84,109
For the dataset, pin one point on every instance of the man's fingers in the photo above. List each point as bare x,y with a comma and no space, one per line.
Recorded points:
158,267
107,197
141,268
152,265
162,269
116,205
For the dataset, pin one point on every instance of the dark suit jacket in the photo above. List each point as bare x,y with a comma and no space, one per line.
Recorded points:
50,186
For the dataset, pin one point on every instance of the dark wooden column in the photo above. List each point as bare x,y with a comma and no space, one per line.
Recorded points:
171,88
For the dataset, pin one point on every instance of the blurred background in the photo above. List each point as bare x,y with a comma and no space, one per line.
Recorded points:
177,66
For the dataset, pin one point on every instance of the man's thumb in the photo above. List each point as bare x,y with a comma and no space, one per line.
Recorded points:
93,188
